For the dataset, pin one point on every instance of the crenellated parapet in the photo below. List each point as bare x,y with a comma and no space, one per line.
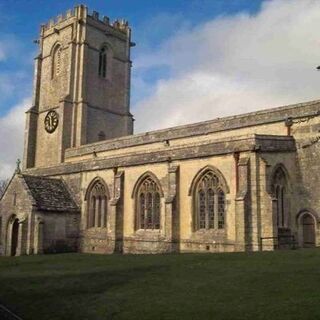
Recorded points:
82,81
60,18
81,12
119,24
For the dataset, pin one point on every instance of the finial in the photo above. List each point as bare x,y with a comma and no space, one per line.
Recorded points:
18,170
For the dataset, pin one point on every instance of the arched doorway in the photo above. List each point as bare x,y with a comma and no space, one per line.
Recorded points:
14,237
308,231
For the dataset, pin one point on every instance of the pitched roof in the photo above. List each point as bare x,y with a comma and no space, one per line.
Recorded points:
50,194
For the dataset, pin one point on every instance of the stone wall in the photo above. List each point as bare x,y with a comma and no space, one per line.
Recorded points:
265,122
86,103
245,149
16,203
37,230
60,231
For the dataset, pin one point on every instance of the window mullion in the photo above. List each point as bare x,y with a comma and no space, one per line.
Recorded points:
152,210
282,206
216,208
207,210
145,217
196,212
278,206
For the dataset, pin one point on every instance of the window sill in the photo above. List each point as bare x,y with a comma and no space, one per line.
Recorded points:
209,235
96,228
210,230
154,231
148,234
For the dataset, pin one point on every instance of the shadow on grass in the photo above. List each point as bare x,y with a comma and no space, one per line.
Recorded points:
81,296
278,285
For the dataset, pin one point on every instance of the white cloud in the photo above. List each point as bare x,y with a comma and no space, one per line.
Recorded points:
235,64
8,45
15,85
11,138
229,65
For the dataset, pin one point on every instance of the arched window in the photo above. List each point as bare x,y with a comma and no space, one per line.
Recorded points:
103,62
280,193
148,204
97,204
307,222
209,199
56,61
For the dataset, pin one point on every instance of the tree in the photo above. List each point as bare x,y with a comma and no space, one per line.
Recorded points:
3,185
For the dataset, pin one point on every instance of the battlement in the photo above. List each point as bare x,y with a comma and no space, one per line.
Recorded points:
81,12
60,18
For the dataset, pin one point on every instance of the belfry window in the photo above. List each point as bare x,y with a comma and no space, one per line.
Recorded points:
97,204
103,62
56,61
148,205
280,194
209,200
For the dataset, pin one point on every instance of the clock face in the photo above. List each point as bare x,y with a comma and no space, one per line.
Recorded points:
51,121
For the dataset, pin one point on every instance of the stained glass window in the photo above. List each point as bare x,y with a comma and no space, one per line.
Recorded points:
221,209
156,210
142,207
209,203
148,209
202,209
210,199
97,206
279,187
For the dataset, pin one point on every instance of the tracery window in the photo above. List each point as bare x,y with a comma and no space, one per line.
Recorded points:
56,61
280,193
148,205
97,206
209,202
103,62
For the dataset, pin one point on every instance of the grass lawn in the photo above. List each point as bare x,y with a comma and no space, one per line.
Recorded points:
270,285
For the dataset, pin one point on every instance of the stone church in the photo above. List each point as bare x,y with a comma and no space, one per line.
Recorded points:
243,183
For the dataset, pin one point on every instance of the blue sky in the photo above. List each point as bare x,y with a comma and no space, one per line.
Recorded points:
195,60
151,21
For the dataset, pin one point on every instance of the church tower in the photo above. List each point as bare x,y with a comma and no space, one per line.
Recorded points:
81,86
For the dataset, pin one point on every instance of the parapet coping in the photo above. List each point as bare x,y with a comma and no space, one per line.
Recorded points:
81,11
250,119
212,141
249,143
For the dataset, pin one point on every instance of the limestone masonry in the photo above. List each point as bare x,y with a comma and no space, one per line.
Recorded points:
247,182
